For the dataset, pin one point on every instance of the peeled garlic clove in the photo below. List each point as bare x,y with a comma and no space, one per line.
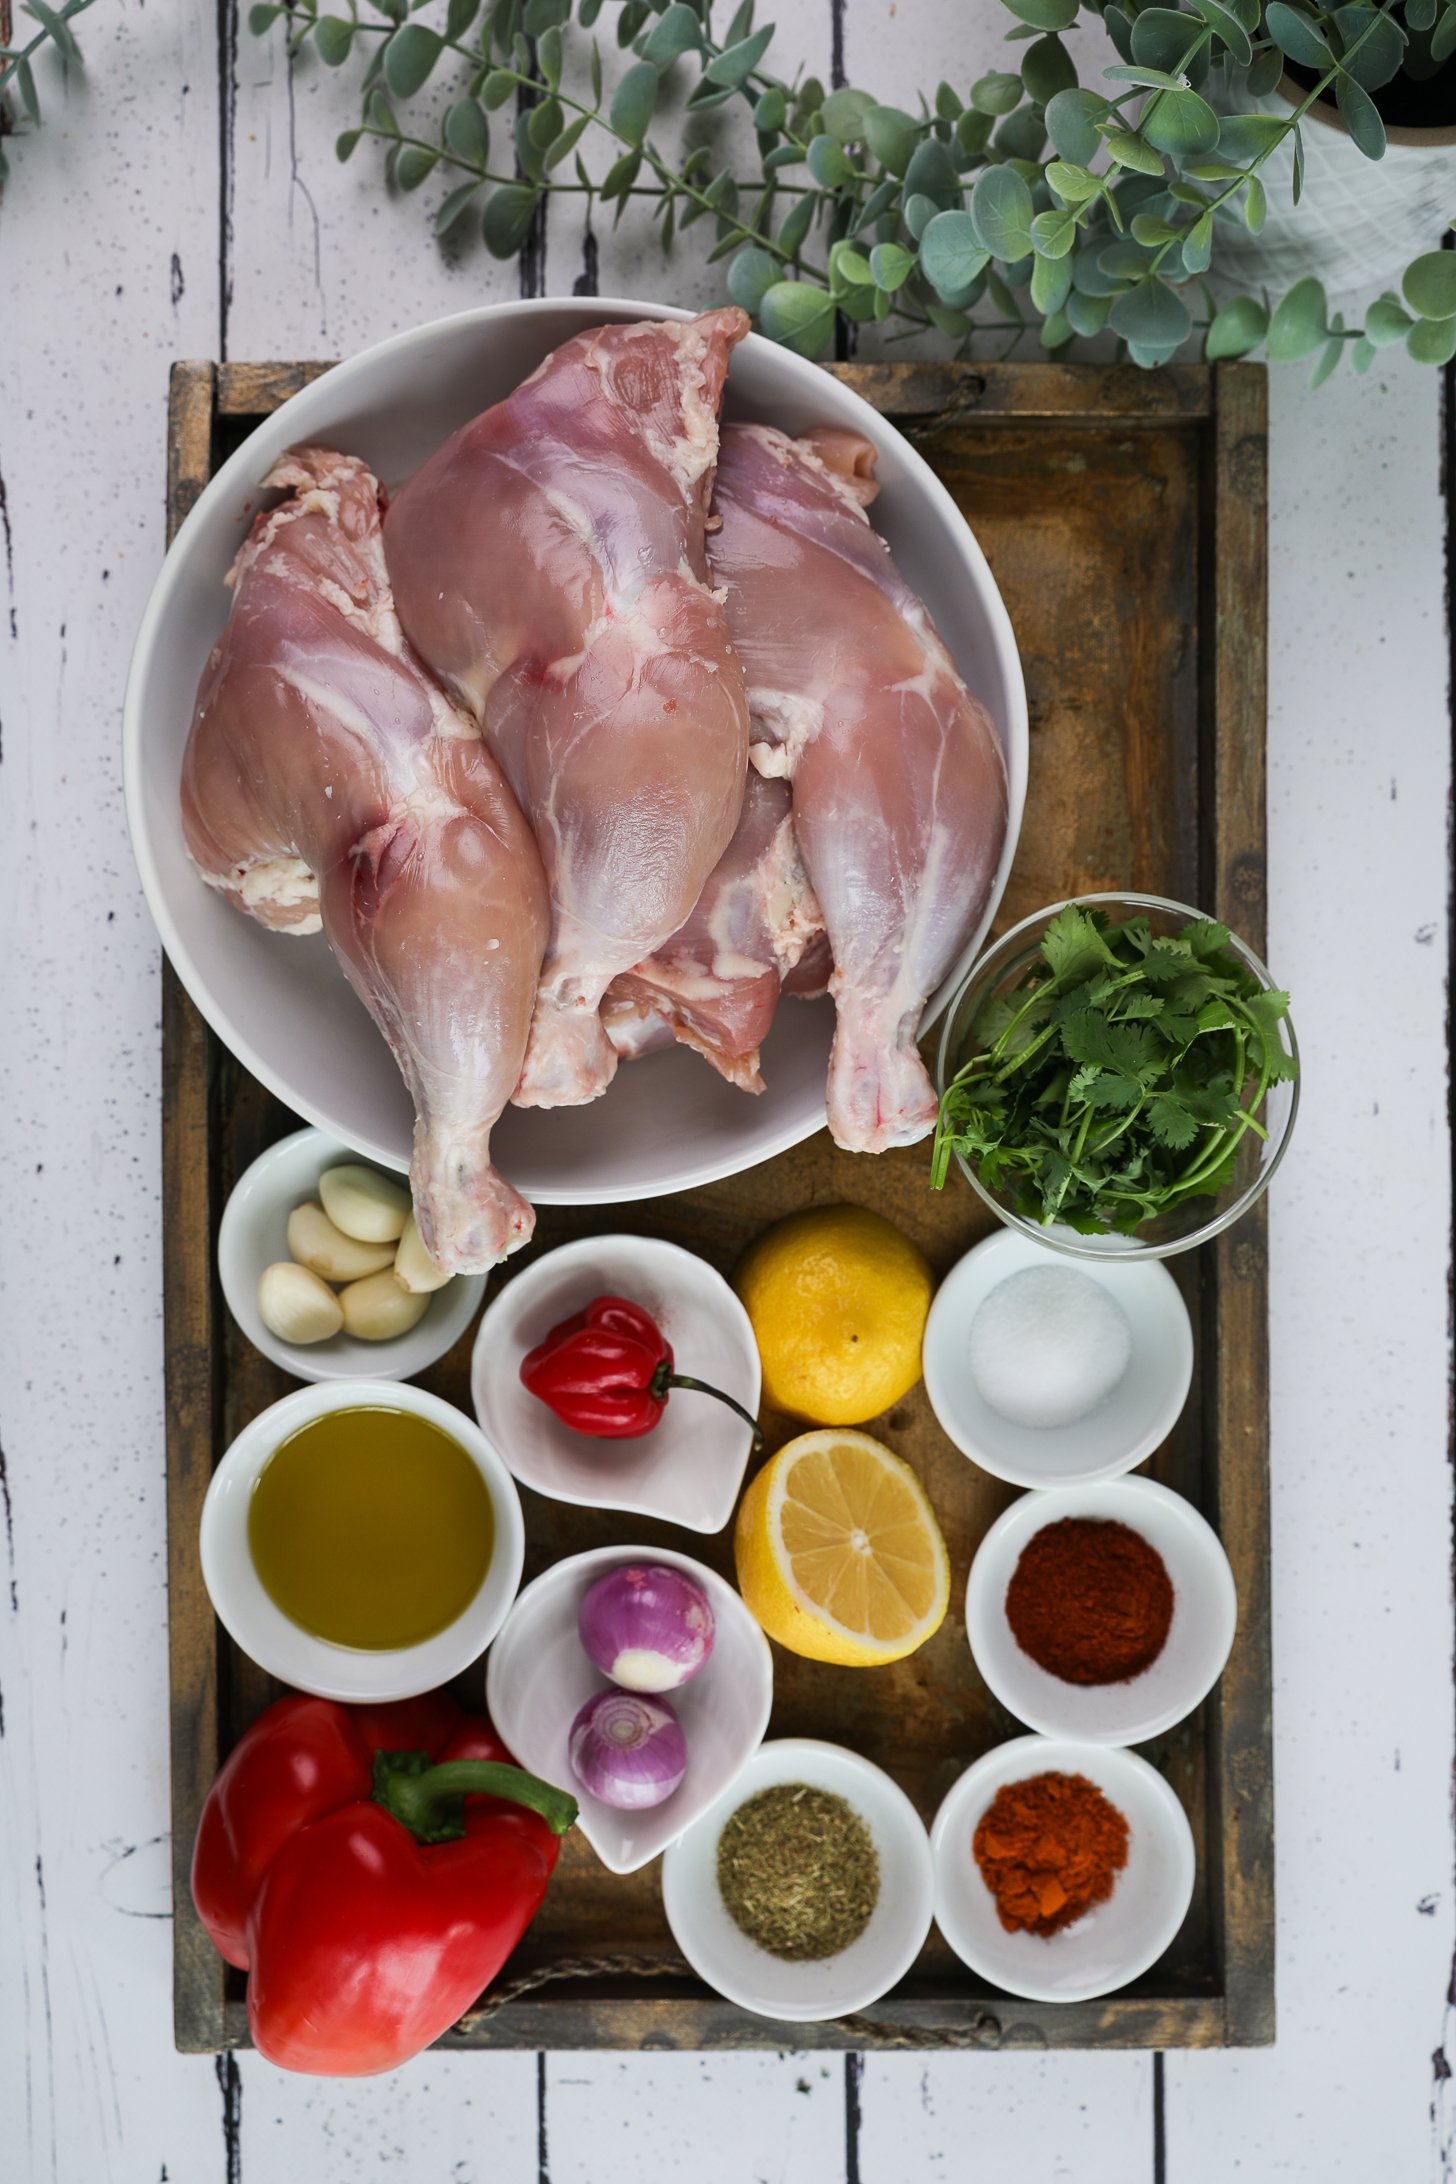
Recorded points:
328,1252
413,1265
379,1308
365,1204
296,1306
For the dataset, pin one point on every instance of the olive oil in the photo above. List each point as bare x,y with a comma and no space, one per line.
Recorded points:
370,1527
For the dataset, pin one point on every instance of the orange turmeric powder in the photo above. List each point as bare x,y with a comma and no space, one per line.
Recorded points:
1049,1849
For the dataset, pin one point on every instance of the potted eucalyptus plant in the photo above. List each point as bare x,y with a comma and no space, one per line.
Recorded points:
1190,186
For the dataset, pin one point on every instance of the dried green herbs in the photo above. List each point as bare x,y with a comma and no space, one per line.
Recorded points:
798,1872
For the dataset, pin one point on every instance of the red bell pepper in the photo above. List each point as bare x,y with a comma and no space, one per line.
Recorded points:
607,1372
370,1868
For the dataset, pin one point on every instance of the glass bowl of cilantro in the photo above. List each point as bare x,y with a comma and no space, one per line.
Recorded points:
1117,1074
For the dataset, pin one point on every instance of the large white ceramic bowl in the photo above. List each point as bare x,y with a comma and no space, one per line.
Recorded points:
354,1673
668,1122
795,1993
1111,1944
538,1677
689,1468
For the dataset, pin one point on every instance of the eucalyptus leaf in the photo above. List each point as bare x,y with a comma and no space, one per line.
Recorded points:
799,316
828,162
972,134
345,144
996,93
409,57
1022,136
1420,14
467,132
736,63
1072,183
1227,27
795,225
1153,314
1180,123
1296,35
1090,278
891,136
1300,323
1237,328
1242,137
544,123
1432,341
1198,245
1056,329
891,266
1087,315
1047,69
459,16
1387,321
1443,37
634,101
1328,358
1256,204
497,88
1045,14
1162,37
676,31
506,223
1051,283
750,277
1362,356
932,173
333,40
844,113
1150,228
1053,235
549,56
1429,284
620,176
1265,70
416,163
1130,151
1118,25
1374,44
952,254
1361,116
1001,208
917,212
1071,119
561,147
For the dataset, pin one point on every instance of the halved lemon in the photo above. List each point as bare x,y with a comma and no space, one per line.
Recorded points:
838,1552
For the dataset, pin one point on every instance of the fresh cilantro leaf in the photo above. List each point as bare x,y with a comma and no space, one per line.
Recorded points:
1170,1121
1073,945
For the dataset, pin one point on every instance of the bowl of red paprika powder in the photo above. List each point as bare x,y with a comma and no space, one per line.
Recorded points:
1062,1869
1103,1612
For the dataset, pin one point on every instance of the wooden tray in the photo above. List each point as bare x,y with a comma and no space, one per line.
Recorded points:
1124,516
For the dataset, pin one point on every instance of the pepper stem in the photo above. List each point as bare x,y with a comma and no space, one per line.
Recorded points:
662,1380
429,1797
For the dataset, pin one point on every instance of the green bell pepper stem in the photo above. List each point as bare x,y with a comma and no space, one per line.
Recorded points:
428,1797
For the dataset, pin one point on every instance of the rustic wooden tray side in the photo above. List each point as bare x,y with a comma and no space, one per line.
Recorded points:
1124,516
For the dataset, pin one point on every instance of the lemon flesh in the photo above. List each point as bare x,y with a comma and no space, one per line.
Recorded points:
838,1553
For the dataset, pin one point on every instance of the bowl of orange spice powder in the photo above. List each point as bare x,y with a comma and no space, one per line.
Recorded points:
1062,1870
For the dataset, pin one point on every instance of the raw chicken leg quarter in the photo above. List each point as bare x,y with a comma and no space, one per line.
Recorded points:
549,565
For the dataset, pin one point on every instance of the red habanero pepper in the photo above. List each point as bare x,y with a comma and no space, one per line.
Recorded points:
607,1371
370,1868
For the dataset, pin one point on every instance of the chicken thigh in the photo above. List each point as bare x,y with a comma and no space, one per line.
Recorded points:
327,780
549,565
899,786
715,983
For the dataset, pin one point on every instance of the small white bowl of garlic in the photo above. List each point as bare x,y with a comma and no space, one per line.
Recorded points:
323,1269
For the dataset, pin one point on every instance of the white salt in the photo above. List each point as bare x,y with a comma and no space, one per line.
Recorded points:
1048,1345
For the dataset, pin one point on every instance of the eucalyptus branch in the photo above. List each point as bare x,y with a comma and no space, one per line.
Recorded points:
1026,204
17,62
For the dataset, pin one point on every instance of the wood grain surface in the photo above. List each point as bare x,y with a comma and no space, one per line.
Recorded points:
1123,516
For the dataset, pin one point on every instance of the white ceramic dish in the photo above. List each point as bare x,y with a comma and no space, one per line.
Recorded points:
668,1123
253,1233
1127,1426
1205,1614
1110,1945
689,1468
802,1994
538,1677
312,1664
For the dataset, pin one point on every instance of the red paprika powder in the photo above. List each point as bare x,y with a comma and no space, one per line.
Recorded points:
1090,1601
1049,1849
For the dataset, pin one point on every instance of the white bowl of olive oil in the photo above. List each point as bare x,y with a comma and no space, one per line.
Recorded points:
362,1540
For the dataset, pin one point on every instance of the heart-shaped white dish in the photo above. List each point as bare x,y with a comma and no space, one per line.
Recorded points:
537,1677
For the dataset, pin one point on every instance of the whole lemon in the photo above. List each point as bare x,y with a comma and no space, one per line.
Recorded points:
838,1298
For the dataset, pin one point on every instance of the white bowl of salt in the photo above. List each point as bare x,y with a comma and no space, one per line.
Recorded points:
1047,1373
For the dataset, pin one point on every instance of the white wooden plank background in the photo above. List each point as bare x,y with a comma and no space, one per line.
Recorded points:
184,200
